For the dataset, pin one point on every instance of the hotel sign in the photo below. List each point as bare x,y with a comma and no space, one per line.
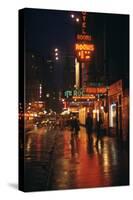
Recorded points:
83,37
83,51
83,46
84,14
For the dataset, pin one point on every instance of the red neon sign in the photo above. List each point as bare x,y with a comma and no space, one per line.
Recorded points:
83,51
84,47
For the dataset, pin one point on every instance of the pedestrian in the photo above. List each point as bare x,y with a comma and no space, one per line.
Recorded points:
89,124
98,131
61,123
75,125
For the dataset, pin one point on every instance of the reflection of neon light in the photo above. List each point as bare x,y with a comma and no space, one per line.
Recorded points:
98,115
82,55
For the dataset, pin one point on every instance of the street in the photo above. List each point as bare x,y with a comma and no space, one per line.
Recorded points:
74,107
56,159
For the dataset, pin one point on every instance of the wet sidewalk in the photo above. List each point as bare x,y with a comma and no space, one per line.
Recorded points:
81,162
59,160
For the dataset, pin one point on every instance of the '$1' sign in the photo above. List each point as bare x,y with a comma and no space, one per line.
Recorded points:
83,51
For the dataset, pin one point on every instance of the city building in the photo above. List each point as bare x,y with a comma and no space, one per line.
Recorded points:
33,76
118,101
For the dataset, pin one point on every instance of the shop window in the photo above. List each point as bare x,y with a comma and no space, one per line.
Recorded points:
113,115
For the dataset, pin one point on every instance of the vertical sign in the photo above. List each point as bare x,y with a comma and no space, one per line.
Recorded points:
84,23
84,46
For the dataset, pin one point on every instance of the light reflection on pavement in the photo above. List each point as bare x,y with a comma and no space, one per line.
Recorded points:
75,162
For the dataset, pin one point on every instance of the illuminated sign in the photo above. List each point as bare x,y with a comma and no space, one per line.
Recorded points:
85,97
115,88
76,92
96,90
83,23
85,93
83,37
85,47
83,51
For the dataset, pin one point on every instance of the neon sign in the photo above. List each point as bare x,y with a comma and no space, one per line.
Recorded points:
83,23
83,37
83,51
84,93
95,90
75,92
86,47
78,94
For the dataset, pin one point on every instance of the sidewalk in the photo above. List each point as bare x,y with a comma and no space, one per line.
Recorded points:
58,160
80,163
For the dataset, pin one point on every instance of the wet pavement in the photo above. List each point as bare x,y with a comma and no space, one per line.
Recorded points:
57,159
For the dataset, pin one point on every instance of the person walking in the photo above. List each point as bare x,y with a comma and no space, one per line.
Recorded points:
75,125
98,131
89,124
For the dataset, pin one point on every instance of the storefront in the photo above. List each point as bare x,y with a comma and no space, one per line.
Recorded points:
118,102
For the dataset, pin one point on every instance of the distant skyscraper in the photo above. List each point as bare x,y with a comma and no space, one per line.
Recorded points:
34,65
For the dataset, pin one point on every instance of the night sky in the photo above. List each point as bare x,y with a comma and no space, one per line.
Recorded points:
48,29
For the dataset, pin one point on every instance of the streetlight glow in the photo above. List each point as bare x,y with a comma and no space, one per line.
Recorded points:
56,50
72,16
56,58
77,19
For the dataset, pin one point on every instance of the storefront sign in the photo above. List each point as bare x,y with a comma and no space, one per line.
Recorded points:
75,92
88,92
96,90
85,97
115,88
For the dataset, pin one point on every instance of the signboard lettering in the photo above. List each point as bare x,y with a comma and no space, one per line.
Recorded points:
86,47
83,37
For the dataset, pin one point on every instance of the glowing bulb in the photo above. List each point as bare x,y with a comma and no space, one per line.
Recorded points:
77,19
72,16
56,50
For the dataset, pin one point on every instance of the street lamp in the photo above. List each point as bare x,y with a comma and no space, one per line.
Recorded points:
77,19
56,54
72,15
